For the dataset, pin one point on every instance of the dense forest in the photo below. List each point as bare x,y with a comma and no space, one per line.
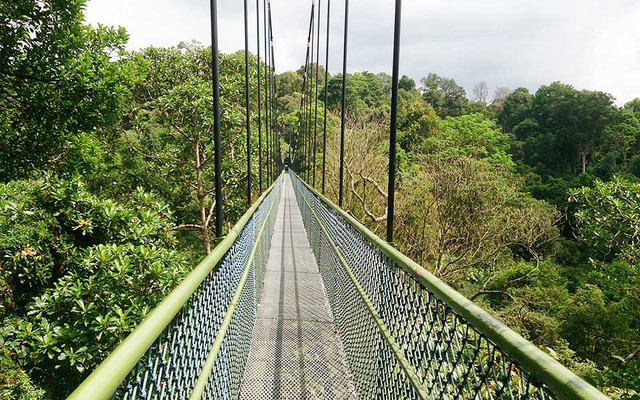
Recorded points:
528,203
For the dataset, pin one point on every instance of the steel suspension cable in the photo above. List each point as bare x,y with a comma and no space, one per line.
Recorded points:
326,82
299,143
274,133
303,112
217,148
274,99
259,97
344,95
246,97
302,120
269,104
315,118
394,118
305,119
266,90
310,122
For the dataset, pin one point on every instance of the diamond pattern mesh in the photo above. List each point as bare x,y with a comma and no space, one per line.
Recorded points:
295,352
337,319
173,363
450,358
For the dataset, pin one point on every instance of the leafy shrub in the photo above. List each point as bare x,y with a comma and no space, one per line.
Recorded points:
31,241
608,218
78,273
73,325
15,384
634,165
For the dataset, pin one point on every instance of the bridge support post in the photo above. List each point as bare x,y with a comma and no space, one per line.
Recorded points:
216,116
344,95
394,118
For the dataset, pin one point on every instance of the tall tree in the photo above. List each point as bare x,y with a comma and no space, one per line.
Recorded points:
481,92
499,96
577,119
58,77
516,107
289,82
444,95
406,83
170,127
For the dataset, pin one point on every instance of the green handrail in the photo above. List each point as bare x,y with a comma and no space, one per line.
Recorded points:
538,364
393,345
105,379
203,378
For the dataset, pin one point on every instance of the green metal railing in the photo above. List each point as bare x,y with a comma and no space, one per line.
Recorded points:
408,335
195,343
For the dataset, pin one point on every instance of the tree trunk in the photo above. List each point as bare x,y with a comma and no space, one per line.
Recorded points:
583,158
204,228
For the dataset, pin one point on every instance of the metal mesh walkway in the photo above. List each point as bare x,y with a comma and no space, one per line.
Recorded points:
384,328
295,351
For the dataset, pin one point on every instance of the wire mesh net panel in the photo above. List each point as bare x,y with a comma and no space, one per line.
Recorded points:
295,353
406,343
172,365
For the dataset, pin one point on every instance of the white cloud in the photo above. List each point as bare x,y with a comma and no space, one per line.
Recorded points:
591,44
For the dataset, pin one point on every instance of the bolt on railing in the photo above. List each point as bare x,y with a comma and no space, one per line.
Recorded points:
408,335
195,343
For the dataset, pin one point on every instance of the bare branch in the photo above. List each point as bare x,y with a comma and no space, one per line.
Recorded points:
186,227
206,222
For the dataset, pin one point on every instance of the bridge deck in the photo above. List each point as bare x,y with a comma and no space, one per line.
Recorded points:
295,351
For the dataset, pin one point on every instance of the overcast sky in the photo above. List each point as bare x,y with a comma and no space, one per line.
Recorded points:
591,44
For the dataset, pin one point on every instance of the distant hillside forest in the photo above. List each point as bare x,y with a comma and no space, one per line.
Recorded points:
527,203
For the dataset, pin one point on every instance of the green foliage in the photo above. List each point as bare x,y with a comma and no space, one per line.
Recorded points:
291,82
58,78
515,109
476,107
634,166
444,95
463,215
78,272
634,107
417,121
167,137
406,83
609,218
591,326
475,136
31,241
364,91
77,322
15,384
289,103
562,129
529,294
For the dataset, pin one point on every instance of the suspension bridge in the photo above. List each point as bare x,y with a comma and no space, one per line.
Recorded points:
301,301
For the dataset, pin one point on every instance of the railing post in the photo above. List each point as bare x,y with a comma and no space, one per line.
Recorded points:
326,80
344,94
393,123
266,93
259,97
246,96
216,116
315,118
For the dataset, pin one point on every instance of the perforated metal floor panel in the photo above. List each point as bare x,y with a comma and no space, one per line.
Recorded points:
295,351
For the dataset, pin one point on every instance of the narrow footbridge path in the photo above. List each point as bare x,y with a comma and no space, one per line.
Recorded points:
295,351
301,301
